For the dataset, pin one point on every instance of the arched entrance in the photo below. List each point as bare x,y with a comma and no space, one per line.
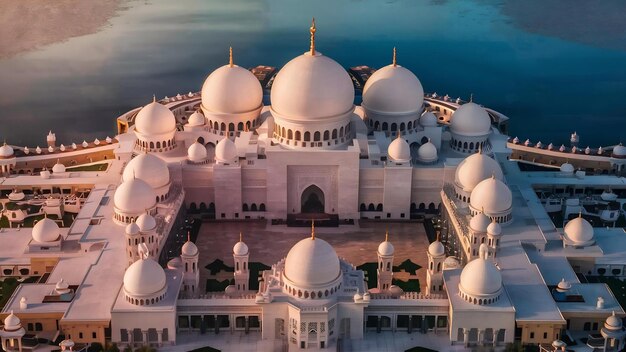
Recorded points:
312,200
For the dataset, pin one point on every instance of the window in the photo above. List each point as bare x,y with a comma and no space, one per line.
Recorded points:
532,335
80,335
94,335
545,335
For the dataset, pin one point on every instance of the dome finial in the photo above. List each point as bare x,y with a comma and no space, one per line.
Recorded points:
580,213
240,236
437,240
313,221
188,236
471,97
393,61
387,235
480,148
230,57
312,30
154,98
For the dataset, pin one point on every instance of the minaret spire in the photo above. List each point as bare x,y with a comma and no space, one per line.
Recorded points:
154,98
471,97
393,61
312,30
313,229
387,235
230,57
240,237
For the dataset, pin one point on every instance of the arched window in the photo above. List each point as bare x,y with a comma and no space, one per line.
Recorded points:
158,145
326,135
385,126
290,134
341,132
371,207
240,126
402,126
316,136
216,126
262,207
379,207
298,135
471,146
307,136
438,266
388,266
223,127
253,207
362,208
244,207
247,125
410,125
236,264
151,145
394,127
334,134
284,133
231,127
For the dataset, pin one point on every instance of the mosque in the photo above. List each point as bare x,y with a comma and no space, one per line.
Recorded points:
500,270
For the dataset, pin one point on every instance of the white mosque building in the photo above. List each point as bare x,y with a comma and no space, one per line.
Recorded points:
499,272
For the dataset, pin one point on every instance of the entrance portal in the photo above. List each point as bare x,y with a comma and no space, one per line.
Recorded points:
312,200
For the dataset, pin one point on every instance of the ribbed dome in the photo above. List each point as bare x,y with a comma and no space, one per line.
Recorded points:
12,322
492,195
578,231
226,151
385,248
240,248
394,90
46,230
436,249
480,277
196,152
154,119
196,119
58,168
149,168
428,119
427,152
144,277
399,150
619,150
231,90
6,151
494,228
132,229
475,168
470,119
134,196
312,87
189,249
480,222
146,222
312,262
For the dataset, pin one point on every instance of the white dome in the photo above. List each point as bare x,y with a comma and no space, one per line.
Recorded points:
611,323
311,262
567,168
399,150
474,169
132,229
6,151
149,168
196,152
393,89
619,150
480,277
494,228
146,222
46,230
144,277
312,87
196,119
491,195
427,152
480,222
154,119
231,90
436,249
189,249
58,168
563,285
12,322
385,248
240,248
428,119
470,119
134,196
578,231
226,151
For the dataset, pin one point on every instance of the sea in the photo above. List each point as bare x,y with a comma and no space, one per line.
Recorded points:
534,62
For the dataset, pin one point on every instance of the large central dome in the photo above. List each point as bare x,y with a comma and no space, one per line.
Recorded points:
312,262
312,87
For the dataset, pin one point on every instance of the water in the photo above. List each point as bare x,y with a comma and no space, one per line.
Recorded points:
549,87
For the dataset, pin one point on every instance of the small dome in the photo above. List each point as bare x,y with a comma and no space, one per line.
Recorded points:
395,290
12,322
146,222
189,249
619,150
134,196
385,248
436,249
312,87
149,168
428,119
154,119
470,119
399,150
46,230
611,323
144,277
58,168
175,263
231,90
312,262
393,89
480,277
427,153
480,222
491,195
196,119
226,151
196,152
563,286
240,248
132,229
494,228
578,231
567,168
475,168
357,296
451,263
62,287
6,151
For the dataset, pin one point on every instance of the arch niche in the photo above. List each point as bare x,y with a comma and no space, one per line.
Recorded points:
312,200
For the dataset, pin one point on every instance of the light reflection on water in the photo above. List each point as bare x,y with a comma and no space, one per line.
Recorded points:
549,87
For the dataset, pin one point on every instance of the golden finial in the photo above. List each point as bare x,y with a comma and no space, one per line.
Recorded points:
240,237
437,237
188,236
230,57
393,61
313,221
312,30
387,235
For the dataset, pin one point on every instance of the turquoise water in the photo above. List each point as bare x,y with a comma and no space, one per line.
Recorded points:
549,87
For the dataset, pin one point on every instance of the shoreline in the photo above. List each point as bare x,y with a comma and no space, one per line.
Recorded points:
32,24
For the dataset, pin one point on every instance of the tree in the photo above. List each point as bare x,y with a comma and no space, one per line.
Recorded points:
95,347
112,348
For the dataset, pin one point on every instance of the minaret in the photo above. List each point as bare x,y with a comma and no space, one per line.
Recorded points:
132,242
191,275
385,264
51,138
242,272
494,230
434,274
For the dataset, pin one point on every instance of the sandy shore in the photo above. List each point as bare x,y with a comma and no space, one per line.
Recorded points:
28,24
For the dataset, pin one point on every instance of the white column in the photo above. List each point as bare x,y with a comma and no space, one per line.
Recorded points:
481,336
466,337
145,337
159,337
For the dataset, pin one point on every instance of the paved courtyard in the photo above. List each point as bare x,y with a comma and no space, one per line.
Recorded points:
268,243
